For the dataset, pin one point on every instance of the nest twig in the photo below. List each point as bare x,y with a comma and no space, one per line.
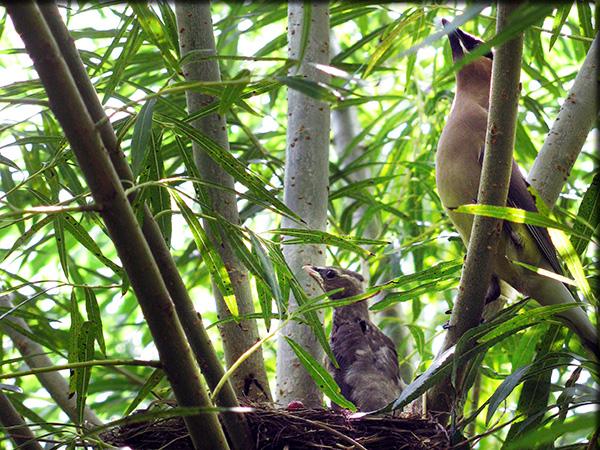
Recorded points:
276,429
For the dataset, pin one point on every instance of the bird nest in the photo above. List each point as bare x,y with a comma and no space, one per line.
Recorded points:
298,429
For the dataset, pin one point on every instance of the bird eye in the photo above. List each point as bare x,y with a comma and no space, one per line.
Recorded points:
330,274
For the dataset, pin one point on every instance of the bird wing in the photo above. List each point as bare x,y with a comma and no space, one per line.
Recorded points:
520,197
368,374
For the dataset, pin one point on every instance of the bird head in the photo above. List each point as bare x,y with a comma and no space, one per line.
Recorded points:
333,278
477,71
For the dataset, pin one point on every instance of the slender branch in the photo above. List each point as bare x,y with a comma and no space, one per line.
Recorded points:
36,359
132,248
493,190
577,115
15,426
190,319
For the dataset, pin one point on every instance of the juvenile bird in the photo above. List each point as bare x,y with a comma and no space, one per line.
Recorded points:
458,169
368,373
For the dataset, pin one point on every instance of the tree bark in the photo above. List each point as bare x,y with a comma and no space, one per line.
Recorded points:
493,190
15,426
305,189
35,357
133,250
191,321
577,115
194,22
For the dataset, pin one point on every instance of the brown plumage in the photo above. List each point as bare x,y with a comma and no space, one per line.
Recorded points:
458,169
368,373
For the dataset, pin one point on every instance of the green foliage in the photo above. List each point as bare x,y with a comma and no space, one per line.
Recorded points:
394,66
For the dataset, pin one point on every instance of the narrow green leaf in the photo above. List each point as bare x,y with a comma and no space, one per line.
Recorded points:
515,215
76,230
141,136
155,377
321,377
85,352
237,169
59,236
589,213
94,316
23,239
528,318
583,423
559,20
569,256
305,236
318,91
8,162
209,255
504,390
155,33
232,92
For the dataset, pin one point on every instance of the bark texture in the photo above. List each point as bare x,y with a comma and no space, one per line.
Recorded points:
70,110
577,115
196,33
305,189
493,190
35,357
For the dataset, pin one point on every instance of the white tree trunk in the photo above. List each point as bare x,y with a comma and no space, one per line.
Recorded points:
305,191
195,26
578,113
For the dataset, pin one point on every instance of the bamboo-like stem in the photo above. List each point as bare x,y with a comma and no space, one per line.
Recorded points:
493,190
194,23
133,250
15,426
35,357
305,187
191,321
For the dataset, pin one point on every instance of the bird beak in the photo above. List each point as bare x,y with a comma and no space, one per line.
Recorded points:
460,41
313,272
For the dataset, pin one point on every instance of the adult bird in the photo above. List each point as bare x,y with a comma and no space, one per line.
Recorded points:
458,169
368,372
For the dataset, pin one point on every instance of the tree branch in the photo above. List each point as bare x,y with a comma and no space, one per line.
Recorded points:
190,319
577,115
15,426
194,23
35,357
493,190
133,250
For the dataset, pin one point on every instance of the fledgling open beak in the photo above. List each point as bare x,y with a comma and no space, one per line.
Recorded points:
313,272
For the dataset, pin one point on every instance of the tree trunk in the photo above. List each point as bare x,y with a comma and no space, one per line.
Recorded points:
196,33
190,319
493,190
122,225
305,188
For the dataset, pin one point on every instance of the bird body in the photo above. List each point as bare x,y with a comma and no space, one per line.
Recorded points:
368,372
459,161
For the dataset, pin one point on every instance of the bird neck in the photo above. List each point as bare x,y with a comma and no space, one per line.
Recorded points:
359,310
472,88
